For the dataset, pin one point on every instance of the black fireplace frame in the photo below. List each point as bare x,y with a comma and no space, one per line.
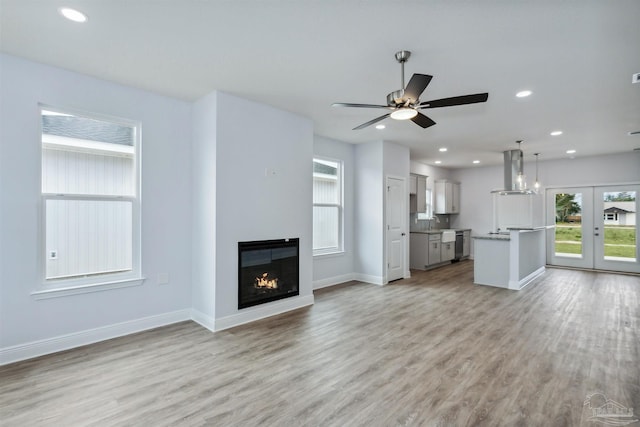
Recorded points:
268,244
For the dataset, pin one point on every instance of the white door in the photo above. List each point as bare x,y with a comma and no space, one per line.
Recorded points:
596,227
616,229
396,227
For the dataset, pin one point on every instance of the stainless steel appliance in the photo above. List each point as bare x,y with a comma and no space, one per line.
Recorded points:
459,245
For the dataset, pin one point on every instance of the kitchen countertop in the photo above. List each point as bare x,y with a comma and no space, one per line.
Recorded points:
492,236
439,231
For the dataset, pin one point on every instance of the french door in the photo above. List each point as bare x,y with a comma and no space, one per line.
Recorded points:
595,227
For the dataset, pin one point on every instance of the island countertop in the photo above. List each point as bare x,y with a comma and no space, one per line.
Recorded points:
438,231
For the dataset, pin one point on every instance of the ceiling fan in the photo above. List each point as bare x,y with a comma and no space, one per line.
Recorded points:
405,103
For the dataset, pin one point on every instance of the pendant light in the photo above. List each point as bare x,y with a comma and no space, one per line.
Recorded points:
520,179
536,185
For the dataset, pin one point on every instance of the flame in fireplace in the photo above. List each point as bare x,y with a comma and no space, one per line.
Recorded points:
265,282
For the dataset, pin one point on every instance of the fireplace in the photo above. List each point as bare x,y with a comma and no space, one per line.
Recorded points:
267,271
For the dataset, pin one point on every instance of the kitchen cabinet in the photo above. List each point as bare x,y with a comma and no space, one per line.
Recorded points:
447,251
418,200
418,251
434,249
466,244
413,183
447,197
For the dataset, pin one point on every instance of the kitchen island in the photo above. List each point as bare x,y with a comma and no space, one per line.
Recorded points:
510,260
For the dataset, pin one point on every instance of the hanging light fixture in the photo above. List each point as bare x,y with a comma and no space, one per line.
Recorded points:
520,179
536,185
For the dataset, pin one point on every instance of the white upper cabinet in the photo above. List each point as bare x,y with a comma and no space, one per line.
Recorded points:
447,197
413,183
418,199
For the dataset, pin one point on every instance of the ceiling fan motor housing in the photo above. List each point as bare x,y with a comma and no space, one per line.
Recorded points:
396,98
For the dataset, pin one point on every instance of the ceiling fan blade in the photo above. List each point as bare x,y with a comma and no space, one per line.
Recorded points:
416,86
370,122
346,104
456,100
422,120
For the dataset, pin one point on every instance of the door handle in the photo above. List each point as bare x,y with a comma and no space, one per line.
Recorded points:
596,234
404,234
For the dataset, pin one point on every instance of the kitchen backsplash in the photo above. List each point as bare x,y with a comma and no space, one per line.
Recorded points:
439,222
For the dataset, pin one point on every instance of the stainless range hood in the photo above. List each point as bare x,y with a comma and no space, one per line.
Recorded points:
513,168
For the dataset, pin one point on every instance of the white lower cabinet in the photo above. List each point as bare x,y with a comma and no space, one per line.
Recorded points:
418,251
434,249
448,251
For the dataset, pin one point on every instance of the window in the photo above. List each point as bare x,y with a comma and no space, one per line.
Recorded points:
611,216
428,214
327,206
90,199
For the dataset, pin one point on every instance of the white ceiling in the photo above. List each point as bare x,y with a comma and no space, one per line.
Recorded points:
577,56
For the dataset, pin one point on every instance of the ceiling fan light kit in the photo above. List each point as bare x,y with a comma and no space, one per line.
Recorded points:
405,103
404,114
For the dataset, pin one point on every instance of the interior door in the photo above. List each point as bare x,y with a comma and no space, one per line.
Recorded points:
596,227
396,227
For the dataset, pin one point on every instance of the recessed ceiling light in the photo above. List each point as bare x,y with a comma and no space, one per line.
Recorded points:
523,93
73,15
437,162
443,149
380,126
556,133
475,162
571,151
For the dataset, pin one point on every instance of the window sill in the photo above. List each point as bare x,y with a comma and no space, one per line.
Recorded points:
329,254
84,289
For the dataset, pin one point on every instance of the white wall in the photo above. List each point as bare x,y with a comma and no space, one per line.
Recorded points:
338,268
476,209
166,204
374,162
369,212
264,170
397,164
203,228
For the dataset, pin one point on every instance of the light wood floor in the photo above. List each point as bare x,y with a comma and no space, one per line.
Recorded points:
431,350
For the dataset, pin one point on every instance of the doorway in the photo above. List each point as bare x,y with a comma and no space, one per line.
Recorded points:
596,227
396,218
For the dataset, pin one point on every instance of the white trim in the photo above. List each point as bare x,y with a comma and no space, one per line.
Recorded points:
203,320
262,311
519,284
332,281
367,278
89,336
86,288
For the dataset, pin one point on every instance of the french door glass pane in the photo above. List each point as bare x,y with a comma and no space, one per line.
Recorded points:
568,231
620,229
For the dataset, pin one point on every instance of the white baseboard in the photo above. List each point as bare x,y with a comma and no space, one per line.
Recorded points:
203,319
262,311
374,280
519,284
89,336
331,281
